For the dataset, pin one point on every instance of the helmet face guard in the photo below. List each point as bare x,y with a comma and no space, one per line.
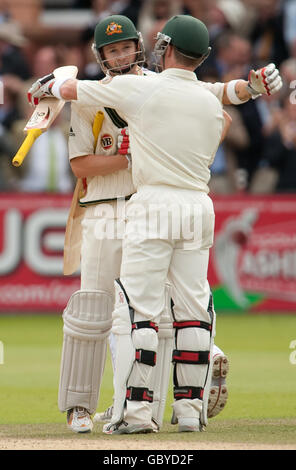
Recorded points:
161,45
136,58
187,34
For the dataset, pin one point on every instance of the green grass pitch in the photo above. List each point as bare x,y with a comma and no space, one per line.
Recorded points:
261,381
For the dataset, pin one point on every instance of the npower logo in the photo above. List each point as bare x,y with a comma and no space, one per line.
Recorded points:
38,240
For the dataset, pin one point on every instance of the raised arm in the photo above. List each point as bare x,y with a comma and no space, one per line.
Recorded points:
264,81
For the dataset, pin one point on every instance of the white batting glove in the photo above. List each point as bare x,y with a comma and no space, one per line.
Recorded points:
124,145
265,81
41,89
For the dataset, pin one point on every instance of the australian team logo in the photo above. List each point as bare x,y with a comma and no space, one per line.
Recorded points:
113,28
106,141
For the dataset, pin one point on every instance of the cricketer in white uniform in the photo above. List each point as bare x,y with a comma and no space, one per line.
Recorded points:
101,258
173,170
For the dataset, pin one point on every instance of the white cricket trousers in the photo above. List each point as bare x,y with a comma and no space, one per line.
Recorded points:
169,232
100,255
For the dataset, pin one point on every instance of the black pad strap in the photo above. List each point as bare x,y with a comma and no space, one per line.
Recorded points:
188,392
146,357
192,324
139,394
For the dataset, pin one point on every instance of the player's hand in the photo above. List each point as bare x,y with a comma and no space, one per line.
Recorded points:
124,145
41,89
266,81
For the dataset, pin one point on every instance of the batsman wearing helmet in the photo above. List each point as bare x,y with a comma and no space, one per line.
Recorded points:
140,300
119,50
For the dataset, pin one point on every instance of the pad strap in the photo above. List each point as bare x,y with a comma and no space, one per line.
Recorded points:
146,357
188,392
191,357
144,324
139,394
192,324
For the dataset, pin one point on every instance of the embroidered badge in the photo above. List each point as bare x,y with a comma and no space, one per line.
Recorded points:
113,28
106,141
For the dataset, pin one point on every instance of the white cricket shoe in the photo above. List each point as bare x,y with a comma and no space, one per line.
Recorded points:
79,420
105,416
126,428
189,425
218,391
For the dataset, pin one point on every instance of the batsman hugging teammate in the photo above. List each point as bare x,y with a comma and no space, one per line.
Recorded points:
87,317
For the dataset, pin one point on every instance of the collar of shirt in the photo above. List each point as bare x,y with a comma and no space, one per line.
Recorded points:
182,73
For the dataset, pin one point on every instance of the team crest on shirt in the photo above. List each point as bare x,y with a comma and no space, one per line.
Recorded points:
113,28
106,141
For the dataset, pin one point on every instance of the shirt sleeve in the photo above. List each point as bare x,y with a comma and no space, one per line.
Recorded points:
112,93
216,88
81,138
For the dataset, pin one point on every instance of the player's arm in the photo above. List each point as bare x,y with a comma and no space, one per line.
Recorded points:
94,165
264,81
87,92
68,90
227,124
82,146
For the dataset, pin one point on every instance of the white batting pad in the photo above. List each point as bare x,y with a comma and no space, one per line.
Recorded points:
162,370
87,324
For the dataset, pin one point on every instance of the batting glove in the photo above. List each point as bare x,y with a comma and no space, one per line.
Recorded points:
266,81
124,145
41,89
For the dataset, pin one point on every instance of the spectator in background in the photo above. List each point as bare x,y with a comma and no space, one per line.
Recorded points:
46,168
199,9
233,54
279,157
232,15
47,165
267,36
7,149
224,178
289,12
25,12
12,58
154,13
132,10
233,60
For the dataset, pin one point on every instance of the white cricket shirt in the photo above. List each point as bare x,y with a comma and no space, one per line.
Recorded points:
175,125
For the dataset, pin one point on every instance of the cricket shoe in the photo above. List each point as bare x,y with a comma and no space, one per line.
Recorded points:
187,424
79,420
218,392
105,416
126,428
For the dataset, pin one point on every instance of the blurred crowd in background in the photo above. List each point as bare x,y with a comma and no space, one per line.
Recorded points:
259,154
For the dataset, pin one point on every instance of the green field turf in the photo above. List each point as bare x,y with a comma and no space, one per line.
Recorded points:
262,380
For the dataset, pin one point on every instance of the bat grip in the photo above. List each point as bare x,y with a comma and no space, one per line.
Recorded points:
22,152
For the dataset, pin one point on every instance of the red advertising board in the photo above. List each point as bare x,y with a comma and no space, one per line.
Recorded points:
31,253
252,263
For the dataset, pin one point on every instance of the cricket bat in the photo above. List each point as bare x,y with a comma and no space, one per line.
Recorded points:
73,233
43,116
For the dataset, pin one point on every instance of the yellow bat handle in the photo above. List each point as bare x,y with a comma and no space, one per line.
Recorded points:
25,147
97,126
